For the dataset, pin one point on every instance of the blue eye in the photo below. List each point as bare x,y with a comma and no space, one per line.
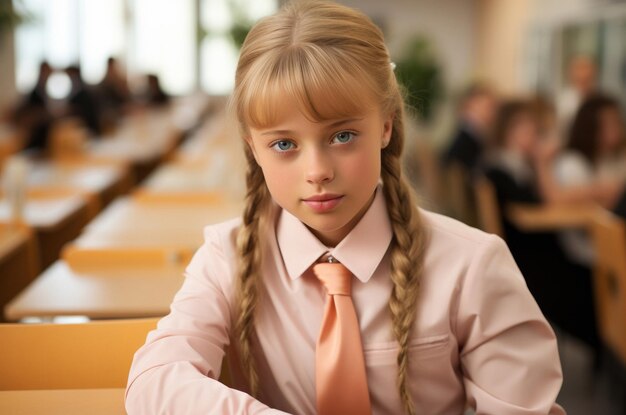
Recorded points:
343,137
283,145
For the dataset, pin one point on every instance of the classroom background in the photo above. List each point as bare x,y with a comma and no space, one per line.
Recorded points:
116,148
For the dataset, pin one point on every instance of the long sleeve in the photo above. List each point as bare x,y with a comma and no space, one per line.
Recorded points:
508,351
176,370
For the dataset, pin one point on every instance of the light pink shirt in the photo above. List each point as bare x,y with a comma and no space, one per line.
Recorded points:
479,336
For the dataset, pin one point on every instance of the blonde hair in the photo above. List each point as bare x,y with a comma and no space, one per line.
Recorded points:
328,58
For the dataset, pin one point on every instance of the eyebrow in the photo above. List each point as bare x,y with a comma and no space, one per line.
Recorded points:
331,125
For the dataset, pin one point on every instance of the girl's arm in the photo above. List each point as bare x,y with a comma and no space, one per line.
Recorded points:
508,350
176,371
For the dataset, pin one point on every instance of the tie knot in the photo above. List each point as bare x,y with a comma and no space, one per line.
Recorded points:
336,278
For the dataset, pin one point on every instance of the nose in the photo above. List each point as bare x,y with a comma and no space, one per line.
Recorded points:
319,167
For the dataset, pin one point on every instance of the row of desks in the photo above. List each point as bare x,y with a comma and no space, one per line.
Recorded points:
64,194
129,261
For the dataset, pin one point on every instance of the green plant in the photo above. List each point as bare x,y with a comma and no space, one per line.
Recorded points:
238,32
419,72
9,16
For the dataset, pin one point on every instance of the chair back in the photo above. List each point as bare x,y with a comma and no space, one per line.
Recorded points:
609,236
488,210
459,198
70,356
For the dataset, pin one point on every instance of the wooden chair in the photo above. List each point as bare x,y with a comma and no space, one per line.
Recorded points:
487,208
459,203
70,356
147,196
81,259
609,236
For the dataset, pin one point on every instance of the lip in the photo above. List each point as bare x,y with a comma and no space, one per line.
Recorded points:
324,202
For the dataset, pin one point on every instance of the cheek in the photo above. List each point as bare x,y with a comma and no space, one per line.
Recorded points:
278,174
363,167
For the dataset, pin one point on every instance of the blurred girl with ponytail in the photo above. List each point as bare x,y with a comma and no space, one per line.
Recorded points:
444,320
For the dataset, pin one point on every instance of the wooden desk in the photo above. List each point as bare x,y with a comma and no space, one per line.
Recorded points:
531,218
105,292
142,141
219,173
177,227
63,402
104,181
56,219
18,260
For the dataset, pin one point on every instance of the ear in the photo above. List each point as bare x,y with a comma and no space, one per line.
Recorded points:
387,129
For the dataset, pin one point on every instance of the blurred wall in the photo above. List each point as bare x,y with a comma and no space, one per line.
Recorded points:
8,93
559,10
502,26
449,24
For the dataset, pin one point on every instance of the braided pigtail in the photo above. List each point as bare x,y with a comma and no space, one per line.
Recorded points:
407,251
250,256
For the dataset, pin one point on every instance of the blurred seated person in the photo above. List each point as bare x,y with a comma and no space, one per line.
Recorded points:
476,112
593,166
582,79
32,115
154,94
562,289
114,88
83,102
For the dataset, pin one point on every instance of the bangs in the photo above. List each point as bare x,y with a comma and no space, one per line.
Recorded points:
323,87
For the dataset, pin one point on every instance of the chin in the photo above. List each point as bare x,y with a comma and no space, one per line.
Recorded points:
327,222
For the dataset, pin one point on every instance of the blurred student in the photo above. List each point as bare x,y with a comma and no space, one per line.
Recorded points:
155,95
593,166
477,108
581,83
515,165
83,102
32,115
114,87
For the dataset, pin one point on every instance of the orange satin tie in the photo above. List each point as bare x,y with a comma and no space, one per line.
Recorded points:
340,377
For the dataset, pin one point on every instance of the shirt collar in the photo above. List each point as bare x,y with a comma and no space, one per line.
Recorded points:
360,251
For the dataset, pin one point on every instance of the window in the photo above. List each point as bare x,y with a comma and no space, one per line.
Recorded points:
149,36
218,51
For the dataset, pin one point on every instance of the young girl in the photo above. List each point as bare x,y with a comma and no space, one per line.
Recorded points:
593,166
438,317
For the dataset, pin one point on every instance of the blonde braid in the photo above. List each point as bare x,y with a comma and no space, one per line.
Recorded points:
250,256
407,250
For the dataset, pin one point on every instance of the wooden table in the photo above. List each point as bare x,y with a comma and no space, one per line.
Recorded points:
18,260
57,220
143,141
130,223
533,218
63,402
105,181
113,291
219,173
